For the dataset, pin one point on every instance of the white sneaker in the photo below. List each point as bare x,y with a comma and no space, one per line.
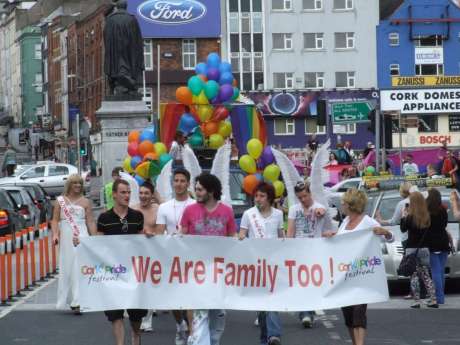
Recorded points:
180,340
184,329
307,322
256,322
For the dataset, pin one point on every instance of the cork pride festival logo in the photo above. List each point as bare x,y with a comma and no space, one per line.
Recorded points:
172,12
102,272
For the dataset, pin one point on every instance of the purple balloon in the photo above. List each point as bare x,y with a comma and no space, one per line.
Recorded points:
267,156
213,74
216,100
260,165
226,92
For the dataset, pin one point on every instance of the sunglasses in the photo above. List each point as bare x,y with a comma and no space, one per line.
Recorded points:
300,186
124,224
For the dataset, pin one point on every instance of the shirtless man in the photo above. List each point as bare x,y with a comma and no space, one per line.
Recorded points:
149,210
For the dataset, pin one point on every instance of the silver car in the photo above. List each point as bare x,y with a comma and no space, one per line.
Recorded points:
385,203
25,204
51,176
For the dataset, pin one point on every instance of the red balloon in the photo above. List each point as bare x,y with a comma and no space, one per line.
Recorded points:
250,183
220,114
133,149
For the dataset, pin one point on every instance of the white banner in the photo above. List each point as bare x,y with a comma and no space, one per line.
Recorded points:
429,55
421,101
194,272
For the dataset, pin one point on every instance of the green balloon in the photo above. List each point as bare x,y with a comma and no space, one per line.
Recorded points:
211,89
236,93
195,84
196,140
154,169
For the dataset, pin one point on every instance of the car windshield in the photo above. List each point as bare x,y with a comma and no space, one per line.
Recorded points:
20,169
16,194
4,201
236,191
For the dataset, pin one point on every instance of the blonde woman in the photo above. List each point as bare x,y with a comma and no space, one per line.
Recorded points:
72,218
418,224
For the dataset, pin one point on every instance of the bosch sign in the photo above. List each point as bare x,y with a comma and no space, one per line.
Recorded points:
177,18
172,12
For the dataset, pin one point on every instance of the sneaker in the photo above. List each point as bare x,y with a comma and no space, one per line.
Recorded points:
274,341
256,322
307,322
147,329
409,296
184,329
179,336
415,306
433,305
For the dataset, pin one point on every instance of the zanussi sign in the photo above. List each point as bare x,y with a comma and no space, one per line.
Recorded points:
432,80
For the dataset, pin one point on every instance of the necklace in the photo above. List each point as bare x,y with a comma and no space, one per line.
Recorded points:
180,213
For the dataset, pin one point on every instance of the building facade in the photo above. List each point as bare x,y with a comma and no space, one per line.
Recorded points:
418,53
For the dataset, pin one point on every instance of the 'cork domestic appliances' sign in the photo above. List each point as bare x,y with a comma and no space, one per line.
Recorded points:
177,18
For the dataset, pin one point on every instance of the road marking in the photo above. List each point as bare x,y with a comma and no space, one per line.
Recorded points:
335,336
8,310
427,341
328,324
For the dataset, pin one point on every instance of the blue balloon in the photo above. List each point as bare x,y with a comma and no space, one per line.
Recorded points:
148,134
226,78
259,177
213,60
140,181
187,123
201,68
225,67
164,159
135,161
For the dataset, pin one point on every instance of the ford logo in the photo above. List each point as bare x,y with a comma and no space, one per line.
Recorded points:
172,12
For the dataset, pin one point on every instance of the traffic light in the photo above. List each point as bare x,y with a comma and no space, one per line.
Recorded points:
83,149
371,117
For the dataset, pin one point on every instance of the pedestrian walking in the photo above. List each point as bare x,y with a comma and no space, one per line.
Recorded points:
108,199
168,222
307,219
72,219
417,223
122,220
264,221
208,217
354,205
9,161
149,208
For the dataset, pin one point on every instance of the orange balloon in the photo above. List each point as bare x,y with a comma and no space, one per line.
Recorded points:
145,147
152,156
235,83
250,183
133,136
210,128
203,77
184,95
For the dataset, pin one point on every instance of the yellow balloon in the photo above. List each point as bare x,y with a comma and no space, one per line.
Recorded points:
202,99
127,165
160,148
216,141
225,128
272,172
143,170
205,112
279,188
255,148
248,164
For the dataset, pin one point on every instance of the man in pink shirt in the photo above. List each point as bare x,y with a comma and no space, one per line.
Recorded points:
208,217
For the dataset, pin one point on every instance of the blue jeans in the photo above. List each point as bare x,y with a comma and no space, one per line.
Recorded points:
270,326
208,327
438,264
302,314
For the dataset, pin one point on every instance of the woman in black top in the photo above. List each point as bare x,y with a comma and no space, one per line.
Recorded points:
417,223
439,243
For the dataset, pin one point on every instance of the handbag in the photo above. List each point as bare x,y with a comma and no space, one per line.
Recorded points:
408,264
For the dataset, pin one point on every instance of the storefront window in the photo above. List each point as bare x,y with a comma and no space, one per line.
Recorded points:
427,123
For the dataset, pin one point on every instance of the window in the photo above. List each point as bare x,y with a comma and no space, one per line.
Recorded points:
313,40
344,40
394,39
343,4
345,79
234,23
246,42
256,5
233,5
427,123
281,5
432,69
258,44
57,170
257,22
38,82
283,80
148,96
245,22
247,57
234,42
314,80
284,126
312,5
312,128
282,41
429,41
235,61
148,55
394,69
34,172
395,126
258,62
38,51
188,54
349,128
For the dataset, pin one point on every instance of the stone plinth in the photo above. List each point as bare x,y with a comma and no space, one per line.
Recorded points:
117,119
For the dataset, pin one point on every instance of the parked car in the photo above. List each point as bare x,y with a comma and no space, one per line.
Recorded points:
40,198
337,190
25,204
10,218
51,176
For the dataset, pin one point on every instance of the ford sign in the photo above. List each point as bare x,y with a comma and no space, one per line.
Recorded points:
172,12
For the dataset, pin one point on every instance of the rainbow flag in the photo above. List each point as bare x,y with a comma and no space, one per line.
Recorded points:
170,115
247,123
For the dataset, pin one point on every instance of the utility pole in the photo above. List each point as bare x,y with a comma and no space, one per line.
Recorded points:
78,144
377,139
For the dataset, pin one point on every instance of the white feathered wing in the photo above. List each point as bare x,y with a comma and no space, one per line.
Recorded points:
163,184
134,186
290,174
318,175
191,164
221,169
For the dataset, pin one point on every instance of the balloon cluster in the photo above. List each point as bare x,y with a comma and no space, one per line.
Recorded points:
207,96
146,157
260,165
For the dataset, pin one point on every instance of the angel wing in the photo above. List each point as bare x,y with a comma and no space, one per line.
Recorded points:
318,175
191,164
134,186
163,184
290,174
221,169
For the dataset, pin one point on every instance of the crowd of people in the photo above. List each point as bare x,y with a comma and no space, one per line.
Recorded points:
423,219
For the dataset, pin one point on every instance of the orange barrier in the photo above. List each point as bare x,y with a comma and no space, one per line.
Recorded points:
25,256
18,253
33,267
3,292
9,267
47,250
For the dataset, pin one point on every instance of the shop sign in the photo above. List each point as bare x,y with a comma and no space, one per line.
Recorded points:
429,55
423,101
434,139
431,80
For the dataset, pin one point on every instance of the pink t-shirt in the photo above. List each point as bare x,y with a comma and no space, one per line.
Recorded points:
196,220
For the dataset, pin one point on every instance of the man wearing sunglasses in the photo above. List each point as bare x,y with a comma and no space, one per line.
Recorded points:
122,220
307,219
